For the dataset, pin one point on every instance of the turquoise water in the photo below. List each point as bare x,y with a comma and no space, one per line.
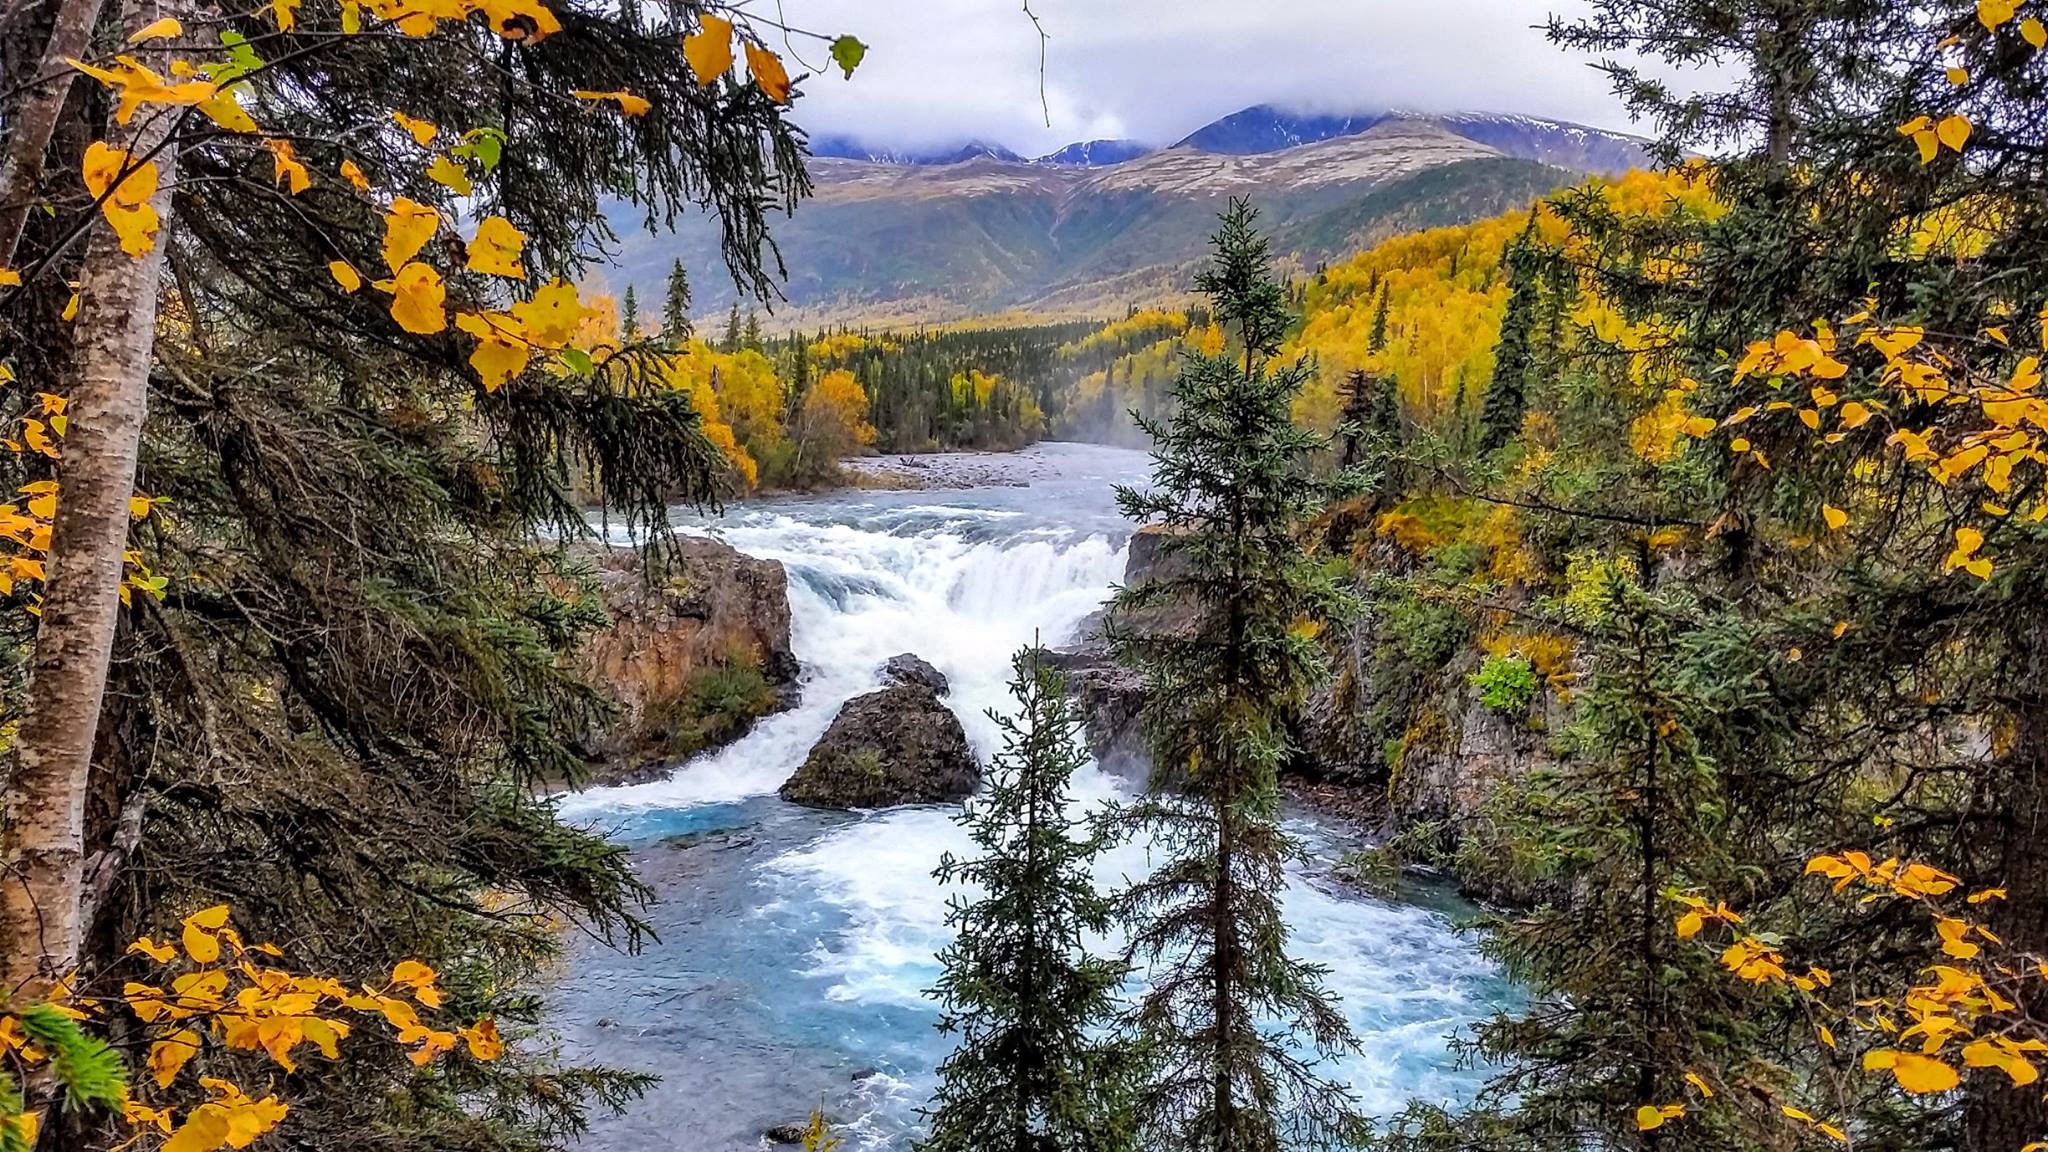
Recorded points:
795,946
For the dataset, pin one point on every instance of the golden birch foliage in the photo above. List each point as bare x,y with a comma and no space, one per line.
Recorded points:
220,992
1962,1018
1445,294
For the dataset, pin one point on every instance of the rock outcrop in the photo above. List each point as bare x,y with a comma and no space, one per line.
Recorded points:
915,670
697,650
899,745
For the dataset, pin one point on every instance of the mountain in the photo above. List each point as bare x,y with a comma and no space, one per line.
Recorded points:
887,242
1267,128
848,148
1096,153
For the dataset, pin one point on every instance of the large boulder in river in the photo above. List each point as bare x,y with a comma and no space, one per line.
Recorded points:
698,648
909,669
899,745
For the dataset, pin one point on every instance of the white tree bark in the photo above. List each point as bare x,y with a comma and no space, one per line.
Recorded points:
42,842
35,118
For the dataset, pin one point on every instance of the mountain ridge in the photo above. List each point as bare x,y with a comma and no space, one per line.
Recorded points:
883,242
1266,128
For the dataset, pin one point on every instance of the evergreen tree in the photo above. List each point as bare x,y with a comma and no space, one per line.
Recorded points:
1360,394
751,341
1507,394
1378,340
629,316
1031,1072
675,308
730,342
1236,1025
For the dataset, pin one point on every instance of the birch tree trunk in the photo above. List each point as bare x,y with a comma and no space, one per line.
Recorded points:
42,842
35,118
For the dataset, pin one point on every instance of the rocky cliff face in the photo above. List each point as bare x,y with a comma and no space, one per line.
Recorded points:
698,649
1396,740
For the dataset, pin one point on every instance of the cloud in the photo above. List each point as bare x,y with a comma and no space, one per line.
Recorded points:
943,71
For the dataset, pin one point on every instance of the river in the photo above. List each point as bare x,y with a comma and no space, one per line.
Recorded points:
795,946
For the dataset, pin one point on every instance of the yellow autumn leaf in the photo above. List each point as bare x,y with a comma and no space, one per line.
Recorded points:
524,21
167,28
422,131
224,109
1834,516
628,103
483,1040
2034,32
768,72
286,13
285,166
161,953
344,275
1992,13
1915,1073
418,298
1651,1117
354,175
138,85
199,940
550,318
205,1130
450,175
407,228
2008,1057
124,188
1964,555
9,278
709,49
496,249
501,351
169,1054
1954,131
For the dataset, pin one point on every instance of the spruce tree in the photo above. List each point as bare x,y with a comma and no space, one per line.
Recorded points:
730,342
675,308
1236,1026
629,315
1377,342
1507,393
1032,1071
751,341
1359,394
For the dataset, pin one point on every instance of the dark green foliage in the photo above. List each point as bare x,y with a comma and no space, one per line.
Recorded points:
91,1073
1032,1071
629,316
1235,1025
675,306
730,342
717,707
1378,339
1507,393
915,406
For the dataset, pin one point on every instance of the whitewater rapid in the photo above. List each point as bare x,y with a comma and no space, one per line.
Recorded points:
796,946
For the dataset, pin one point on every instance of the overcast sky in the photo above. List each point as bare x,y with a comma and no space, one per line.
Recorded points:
942,71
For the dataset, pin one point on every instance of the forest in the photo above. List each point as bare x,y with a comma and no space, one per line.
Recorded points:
1695,515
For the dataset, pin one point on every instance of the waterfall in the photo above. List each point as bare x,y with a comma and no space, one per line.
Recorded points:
795,952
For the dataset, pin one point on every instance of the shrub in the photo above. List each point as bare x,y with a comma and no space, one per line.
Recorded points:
1506,684
718,706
